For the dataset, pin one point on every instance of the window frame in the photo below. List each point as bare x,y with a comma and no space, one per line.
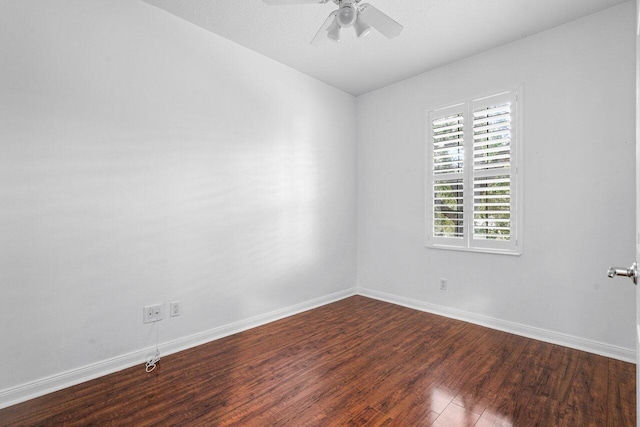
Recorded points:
513,246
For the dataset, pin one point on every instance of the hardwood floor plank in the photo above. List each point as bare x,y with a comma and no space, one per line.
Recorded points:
489,419
490,373
622,389
520,382
408,389
331,362
540,411
557,374
587,404
354,362
326,361
456,416
369,417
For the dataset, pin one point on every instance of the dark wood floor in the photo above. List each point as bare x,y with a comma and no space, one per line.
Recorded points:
355,362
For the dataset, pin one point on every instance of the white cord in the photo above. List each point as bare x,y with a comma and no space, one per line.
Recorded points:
153,360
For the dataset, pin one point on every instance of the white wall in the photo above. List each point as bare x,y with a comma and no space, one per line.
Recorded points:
579,193
144,160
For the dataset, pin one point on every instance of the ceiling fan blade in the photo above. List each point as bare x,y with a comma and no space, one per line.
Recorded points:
276,2
380,21
321,34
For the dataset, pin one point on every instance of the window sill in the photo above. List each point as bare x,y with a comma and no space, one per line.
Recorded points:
479,250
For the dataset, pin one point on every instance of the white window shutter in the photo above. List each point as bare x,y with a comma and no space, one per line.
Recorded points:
473,176
494,172
446,159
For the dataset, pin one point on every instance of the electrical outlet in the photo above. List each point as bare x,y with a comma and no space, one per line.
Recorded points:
152,313
443,284
175,308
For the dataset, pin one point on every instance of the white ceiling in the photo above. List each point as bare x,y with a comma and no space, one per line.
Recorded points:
436,32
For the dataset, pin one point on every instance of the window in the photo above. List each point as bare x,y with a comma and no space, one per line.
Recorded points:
474,175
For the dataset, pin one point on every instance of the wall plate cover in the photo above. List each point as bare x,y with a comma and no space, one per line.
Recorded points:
152,313
175,308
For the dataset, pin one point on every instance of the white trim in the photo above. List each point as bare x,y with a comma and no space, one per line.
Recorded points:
63,380
473,249
595,347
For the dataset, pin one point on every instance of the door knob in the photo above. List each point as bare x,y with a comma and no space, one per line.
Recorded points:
626,272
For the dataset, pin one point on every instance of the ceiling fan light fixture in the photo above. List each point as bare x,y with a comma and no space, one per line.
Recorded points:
333,32
350,13
347,14
362,27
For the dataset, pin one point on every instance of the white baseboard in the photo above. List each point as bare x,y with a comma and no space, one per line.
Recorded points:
614,352
63,380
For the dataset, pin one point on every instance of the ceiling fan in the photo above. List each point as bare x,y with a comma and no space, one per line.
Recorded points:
350,13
